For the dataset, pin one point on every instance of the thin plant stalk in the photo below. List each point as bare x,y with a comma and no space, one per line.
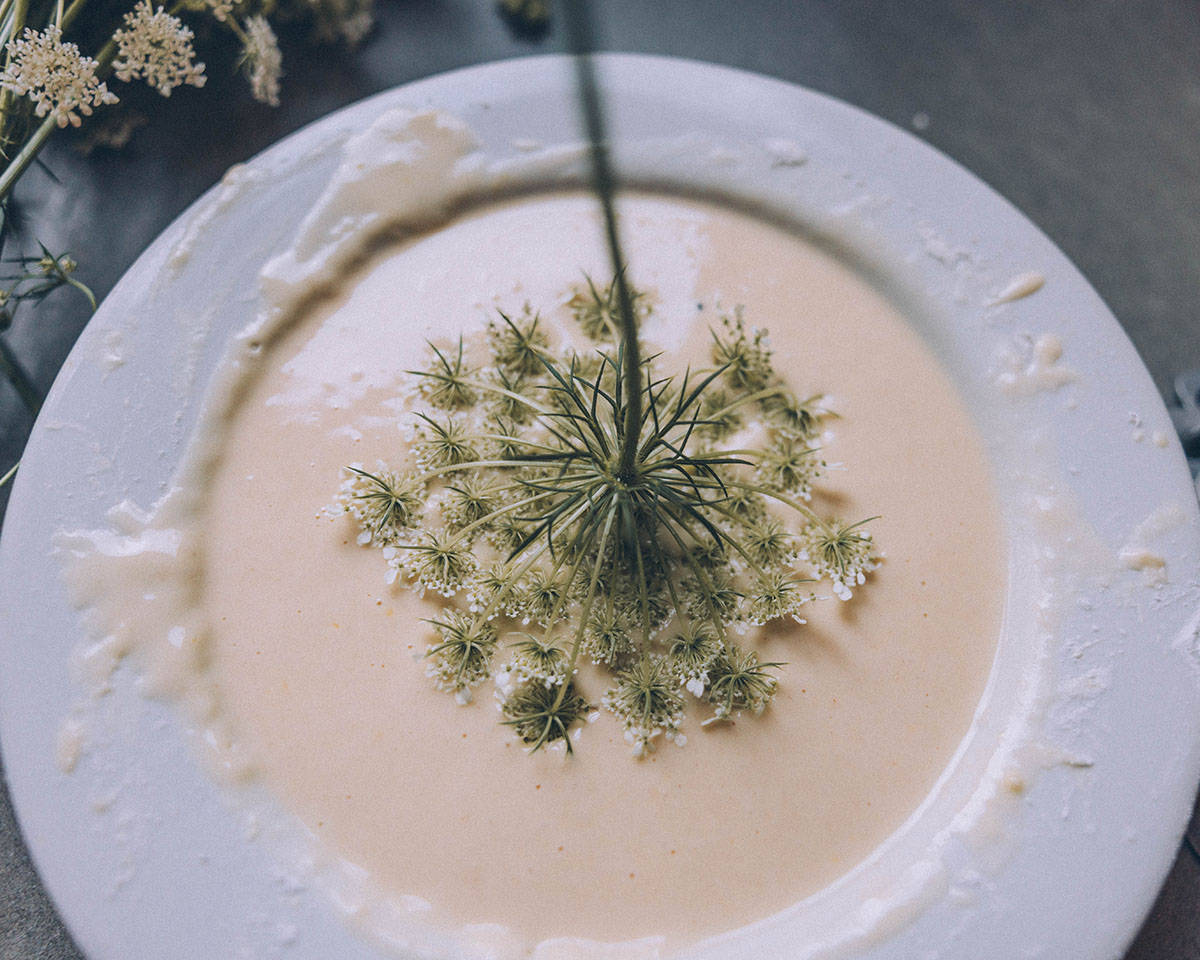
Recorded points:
581,42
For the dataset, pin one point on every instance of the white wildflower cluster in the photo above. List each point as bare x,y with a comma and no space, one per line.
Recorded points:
745,355
490,592
61,82
461,656
519,518
385,504
842,553
790,466
437,561
156,47
608,638
693,653
775,595
537,661
262,60
444,440
740,681
647,701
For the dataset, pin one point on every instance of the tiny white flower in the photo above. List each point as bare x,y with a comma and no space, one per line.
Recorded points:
60,81
506,682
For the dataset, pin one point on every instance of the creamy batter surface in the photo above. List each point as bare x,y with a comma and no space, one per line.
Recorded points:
316,659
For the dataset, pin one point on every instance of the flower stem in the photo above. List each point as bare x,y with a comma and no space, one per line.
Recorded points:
581,43
20,163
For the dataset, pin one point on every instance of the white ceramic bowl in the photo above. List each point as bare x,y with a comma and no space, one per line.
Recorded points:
1053,825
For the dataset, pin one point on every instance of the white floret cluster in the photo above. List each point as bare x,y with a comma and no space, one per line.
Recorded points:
61,82
156,47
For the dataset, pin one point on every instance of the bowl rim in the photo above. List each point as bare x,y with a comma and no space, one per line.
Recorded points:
895,204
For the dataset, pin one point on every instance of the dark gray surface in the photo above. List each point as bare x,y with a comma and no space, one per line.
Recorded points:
1086,115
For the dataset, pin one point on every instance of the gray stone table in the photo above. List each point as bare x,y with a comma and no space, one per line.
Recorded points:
1084,113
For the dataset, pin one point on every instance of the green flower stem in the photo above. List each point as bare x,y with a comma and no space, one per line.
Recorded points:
805,511
670,511
20,163
545,526
512,395
472,465
564,598
580,41
521,571
8,18
586,610
702,578
71,13
10,473
643,596
743,401
483,521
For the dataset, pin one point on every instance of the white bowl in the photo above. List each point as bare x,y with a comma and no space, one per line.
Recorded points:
1054,824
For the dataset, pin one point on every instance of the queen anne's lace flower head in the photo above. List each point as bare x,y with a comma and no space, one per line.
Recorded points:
60,81
384,503
647,702
517,504
462,656
842,553
156,47
262,59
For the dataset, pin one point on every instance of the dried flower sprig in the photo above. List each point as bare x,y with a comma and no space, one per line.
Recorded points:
548,506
